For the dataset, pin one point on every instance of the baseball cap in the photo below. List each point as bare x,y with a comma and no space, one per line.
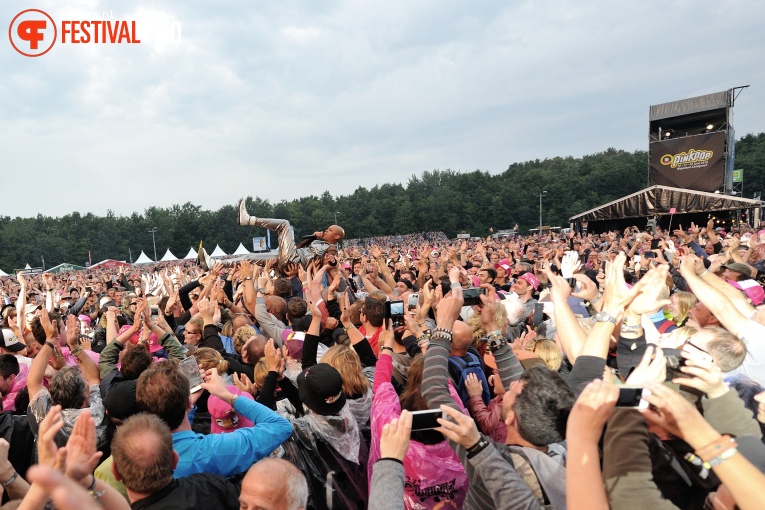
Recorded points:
504,264
752,289
739,268
223,417
10,342
321,389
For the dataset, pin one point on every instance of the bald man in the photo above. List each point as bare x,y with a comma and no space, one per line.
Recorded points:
288,252
274,484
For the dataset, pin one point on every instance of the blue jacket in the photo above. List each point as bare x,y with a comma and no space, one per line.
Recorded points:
232,453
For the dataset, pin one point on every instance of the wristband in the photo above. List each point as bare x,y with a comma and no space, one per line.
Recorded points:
77,352
248,278
455,285
631,329
233,400
716,448
386,348
53,348
477,448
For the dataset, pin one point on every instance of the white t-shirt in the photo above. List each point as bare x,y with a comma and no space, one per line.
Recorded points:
754,362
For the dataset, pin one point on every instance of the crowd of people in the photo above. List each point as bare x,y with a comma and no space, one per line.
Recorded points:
583,371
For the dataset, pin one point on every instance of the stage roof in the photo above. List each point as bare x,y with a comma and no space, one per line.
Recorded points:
658,200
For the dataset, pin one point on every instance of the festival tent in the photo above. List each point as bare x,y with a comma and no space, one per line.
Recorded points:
27,266
191,254
218,252
143,259
241,250
680,206
63,267
168,256
3,273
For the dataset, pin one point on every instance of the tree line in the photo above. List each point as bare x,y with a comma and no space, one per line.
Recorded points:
438,200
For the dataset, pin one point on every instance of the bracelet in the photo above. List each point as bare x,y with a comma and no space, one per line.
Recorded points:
455,285
423,339
600,295
77,352
386,348
248,278
441,333
703,274
717,447
10,480
631,329
477,448
49,345
496,342
233,400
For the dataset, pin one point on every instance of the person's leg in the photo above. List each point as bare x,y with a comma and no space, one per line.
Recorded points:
281,227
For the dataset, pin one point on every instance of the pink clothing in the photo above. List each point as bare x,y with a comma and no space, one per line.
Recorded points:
489,418
19,382
435,478
71,361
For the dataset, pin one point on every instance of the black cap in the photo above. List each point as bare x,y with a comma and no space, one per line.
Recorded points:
321,389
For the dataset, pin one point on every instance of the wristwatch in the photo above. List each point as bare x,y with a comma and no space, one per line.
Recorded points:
604,316
261,290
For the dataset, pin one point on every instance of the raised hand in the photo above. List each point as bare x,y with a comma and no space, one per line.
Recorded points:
394,440
82,456
591,411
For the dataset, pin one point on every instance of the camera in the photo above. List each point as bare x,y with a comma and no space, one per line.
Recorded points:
472,296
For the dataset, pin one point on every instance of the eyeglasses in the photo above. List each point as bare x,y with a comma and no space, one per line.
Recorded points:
188,332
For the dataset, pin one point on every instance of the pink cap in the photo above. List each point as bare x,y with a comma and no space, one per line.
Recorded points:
223,417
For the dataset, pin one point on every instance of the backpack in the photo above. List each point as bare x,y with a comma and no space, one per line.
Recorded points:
470,367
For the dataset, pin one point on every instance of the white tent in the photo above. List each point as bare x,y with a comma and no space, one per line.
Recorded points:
3,273
168,256
191,254
143,259
218,252
27,267
241,250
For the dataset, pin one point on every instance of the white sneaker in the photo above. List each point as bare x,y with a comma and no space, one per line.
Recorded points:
244,218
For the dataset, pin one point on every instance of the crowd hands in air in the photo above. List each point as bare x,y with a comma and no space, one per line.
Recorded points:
301,393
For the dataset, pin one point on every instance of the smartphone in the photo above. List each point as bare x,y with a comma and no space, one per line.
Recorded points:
538,316
155,311
426,420
394,310
649,255
655,244
472,296
190,369
88,289
413,300
632,397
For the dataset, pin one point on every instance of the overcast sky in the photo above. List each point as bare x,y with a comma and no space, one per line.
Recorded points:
285,99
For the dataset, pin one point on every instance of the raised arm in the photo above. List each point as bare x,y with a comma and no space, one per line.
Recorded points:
88,367
40,362
720,306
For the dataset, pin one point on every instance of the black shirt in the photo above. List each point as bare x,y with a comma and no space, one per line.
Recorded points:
201,490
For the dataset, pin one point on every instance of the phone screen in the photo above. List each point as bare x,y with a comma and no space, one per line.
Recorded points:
631,397
396,308
190,369
426,420
413,299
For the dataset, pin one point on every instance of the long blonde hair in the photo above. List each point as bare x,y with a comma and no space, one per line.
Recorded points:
345,360
685,301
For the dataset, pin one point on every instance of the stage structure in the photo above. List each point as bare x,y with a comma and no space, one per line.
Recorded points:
691,152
